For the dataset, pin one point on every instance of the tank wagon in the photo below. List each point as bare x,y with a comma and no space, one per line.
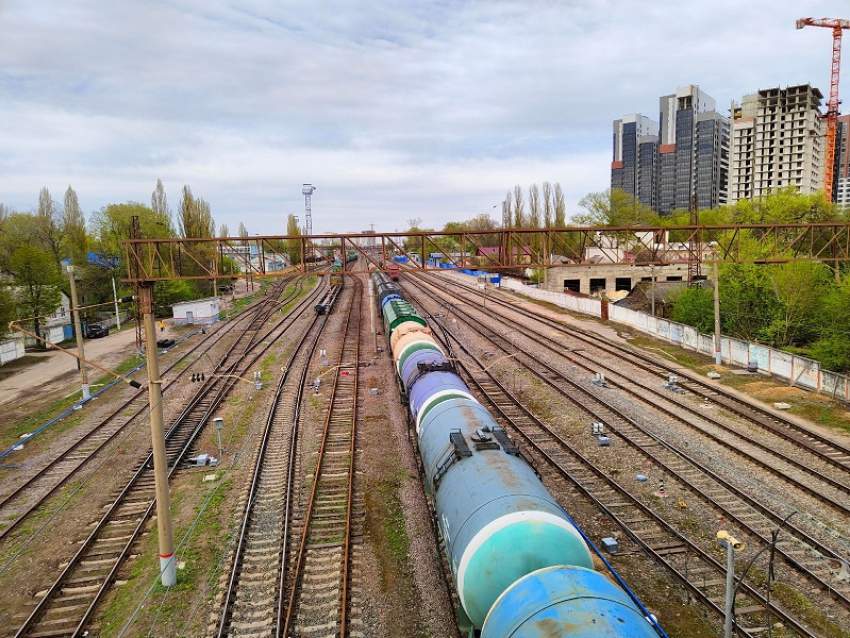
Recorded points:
520,567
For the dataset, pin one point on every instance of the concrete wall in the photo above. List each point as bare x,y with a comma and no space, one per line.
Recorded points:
799,371
11,349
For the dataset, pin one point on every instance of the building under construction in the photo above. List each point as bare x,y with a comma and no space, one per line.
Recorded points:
778,140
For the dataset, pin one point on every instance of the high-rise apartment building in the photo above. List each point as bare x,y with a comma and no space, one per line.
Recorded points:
681,162
693,152
778,140
635,155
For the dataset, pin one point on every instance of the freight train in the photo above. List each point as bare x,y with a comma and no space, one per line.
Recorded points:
520,567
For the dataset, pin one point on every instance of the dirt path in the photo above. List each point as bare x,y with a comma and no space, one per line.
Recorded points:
56,369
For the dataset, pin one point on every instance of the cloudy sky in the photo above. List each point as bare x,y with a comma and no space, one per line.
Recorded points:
429,109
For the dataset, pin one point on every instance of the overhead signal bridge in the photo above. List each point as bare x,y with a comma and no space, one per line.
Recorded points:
151,260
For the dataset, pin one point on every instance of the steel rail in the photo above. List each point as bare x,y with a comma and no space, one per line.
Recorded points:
319,321
142,470
139,396
566,448
299,567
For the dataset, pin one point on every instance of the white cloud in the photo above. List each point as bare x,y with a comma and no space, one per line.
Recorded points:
394,110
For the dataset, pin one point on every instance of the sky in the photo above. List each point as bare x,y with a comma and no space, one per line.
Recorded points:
396,111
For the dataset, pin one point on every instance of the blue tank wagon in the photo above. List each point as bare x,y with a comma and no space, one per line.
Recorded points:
520,567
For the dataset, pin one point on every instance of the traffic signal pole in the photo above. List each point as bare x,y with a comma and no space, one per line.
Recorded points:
167,563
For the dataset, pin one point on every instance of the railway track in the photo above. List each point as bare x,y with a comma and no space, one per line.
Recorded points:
67,605
318,575
28,496
660,538
822,474
251,595
828,450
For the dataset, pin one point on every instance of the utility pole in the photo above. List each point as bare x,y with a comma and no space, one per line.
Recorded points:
167,565
117,314
84,376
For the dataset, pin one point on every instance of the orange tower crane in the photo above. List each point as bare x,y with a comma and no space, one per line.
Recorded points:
832,108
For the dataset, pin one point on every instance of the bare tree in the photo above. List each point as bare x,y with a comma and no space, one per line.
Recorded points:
159,201
507,214
223,231
243,232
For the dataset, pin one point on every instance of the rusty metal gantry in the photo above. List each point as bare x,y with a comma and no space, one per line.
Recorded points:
151,260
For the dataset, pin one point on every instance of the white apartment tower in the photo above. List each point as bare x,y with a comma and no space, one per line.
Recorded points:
778,140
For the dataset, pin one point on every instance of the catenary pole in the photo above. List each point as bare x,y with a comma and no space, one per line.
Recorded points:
717,357
167,564
84,375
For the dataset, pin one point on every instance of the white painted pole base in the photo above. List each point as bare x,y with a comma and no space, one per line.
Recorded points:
86,393
168,570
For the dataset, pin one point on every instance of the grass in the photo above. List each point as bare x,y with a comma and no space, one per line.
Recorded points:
38,419
808,405
169,607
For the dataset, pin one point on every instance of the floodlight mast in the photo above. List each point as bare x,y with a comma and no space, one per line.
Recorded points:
307,190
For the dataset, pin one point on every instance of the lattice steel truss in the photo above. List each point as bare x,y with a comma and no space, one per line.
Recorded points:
497,251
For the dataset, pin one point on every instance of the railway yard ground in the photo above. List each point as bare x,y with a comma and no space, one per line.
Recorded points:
693,480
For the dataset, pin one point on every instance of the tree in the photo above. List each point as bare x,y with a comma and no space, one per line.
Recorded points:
223,231
747,301
196,221
533,206
51,235
548,206
832,347
168,293
293,247
508,213
195,217
18,229
519,208
695,307
614,208
109,226
798,287
243,232
559,206
37,283
159,201
74,227
784,206
8,308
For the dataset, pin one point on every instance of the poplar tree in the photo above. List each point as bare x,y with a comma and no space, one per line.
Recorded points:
74,226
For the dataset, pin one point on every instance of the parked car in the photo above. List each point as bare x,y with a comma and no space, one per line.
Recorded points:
96,330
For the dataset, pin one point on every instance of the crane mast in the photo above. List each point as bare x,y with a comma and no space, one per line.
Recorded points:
837,27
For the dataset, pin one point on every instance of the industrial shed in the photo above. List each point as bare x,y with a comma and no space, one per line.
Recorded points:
197,311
